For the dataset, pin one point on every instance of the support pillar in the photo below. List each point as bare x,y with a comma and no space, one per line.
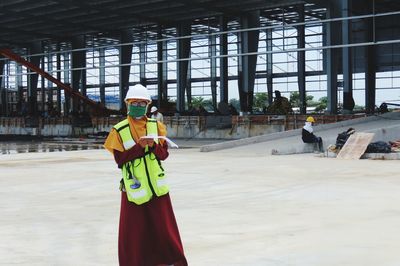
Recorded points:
212,52
348,101
20,88
162,70
223,61
125,57
49,83
2,64
370,66
58,66
102,75
78,74
331,62
43,89
248,63
268,33
2,89
36,48
301,61
142,66
67,80
189,84
183,52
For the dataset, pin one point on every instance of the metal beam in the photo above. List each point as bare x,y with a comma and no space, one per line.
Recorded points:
301,61
26,33
48,20
183,51
123,11
209,7
248,63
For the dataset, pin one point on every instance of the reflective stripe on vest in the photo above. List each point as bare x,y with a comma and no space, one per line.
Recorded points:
143,177
125,134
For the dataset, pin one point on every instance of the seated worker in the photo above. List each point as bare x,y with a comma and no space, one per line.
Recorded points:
307,134
155,114
280,105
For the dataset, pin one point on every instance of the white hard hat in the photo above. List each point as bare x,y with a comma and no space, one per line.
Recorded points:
138,92
153,109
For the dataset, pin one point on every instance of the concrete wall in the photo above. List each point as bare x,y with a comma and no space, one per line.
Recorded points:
201,127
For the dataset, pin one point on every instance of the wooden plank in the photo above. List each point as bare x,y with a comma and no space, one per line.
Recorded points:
355,146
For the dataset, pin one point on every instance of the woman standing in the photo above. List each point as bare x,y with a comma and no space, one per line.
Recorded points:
148,233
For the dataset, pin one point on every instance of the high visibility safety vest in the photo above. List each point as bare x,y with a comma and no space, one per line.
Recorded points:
142,177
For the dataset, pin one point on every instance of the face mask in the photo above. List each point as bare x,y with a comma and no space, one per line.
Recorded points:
136,111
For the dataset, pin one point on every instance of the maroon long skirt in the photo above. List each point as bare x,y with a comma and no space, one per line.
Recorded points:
148,234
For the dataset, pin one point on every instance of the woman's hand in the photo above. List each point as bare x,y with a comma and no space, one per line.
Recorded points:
143,142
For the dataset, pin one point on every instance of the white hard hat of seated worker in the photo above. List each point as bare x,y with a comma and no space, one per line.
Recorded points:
153,109
138,92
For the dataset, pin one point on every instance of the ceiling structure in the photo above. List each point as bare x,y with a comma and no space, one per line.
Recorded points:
25,21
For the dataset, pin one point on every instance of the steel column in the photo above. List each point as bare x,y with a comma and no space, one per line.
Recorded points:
183,52
370,66
19,83
102,75
348,101
162,69
212,52
223,61
36,48
78,76
2,64
189,83
247,64
268,40
67,81
42,89
301,61
2,89
125,57
331,62
49,83
142,66
59,78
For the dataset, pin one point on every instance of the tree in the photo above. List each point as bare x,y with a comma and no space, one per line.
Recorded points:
321,104
295,99
235,103
198,102
260,100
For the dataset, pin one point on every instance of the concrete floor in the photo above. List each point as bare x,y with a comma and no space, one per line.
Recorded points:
238,206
